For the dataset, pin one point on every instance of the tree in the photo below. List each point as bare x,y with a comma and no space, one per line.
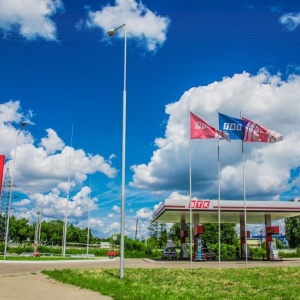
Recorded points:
163,235
19,229
158,232
153,229
292,231
174,233
211,233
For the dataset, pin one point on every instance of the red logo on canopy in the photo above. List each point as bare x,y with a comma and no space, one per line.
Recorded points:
199,204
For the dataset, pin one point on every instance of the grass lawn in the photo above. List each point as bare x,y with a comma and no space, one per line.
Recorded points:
41,258
169,284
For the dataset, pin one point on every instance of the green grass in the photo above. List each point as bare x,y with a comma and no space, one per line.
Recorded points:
170,284
41,258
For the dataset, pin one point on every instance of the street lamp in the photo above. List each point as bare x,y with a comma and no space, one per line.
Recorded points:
111,32
37,231
65,228
23,124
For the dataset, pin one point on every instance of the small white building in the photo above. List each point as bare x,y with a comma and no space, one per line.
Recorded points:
105,245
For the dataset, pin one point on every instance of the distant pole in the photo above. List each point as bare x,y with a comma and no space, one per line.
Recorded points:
67,200
136,228
88,223
37,230
23,124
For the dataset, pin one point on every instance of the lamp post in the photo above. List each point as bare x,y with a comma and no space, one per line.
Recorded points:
23,124
111,32
37,232
65,228
89,216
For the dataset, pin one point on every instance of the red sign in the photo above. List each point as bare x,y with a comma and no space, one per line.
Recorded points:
198,229
272,230
202,204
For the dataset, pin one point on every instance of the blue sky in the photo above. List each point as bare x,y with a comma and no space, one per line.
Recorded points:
59,70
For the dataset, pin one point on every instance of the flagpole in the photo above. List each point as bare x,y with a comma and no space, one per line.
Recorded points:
219,197
190,172
65,229
245,209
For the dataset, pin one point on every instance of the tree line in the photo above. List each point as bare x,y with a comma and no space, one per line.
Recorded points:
51,233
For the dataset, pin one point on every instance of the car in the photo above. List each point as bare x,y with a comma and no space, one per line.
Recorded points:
169,253
112,254
208,254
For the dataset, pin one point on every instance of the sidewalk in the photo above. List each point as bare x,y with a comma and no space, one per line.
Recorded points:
39,286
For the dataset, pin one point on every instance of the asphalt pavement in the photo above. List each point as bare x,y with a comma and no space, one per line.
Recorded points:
23,280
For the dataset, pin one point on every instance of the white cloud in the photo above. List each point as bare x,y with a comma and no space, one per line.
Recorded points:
141,23
116,209
291,20
52,142
10,124
264,98
144,213
23,202
41,173
31,18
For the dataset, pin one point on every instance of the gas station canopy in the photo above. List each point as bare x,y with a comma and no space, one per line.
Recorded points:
231,211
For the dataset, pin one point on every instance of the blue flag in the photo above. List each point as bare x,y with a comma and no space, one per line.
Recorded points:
233,126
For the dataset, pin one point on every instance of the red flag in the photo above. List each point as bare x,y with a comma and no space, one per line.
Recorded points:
201,130
258,133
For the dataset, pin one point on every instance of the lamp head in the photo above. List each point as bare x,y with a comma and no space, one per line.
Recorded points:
111,32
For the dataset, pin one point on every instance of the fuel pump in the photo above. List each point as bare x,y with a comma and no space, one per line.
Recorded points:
197,249
184,250
198,230
271,245
273,252
243,244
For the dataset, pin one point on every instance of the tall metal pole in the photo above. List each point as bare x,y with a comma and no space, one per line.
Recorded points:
37,230
111,32
245,204
190,200
65,229
23,124
219,200
89,216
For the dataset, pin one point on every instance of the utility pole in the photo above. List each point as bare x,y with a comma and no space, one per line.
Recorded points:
136,227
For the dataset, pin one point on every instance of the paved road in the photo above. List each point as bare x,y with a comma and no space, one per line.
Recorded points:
23,280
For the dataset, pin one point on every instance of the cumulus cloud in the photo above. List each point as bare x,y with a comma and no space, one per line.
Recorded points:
30,18
144,213
52,142
45,172
264,98
291,20
142,24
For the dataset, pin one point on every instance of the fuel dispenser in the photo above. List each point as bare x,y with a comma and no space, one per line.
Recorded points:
243,244
198,230
273,252
184,250
271,245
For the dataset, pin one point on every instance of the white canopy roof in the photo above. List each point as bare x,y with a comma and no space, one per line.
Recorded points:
171,211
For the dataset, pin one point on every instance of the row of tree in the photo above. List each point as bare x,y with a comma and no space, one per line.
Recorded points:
51,233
